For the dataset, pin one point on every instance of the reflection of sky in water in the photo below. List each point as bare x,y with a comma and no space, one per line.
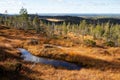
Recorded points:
29,57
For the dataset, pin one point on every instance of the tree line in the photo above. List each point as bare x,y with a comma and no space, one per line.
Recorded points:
106,31
22,21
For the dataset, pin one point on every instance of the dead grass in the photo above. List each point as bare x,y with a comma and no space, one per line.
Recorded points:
99,63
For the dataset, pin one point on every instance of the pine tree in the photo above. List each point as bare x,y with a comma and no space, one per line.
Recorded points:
107,31
98,31
115,30
23,18
63,28
36,24
83,28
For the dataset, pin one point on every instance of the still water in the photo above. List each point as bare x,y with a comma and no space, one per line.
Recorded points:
57,63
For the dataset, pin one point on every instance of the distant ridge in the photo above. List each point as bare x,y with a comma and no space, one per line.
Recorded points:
76,18
73,14
78,15
1,14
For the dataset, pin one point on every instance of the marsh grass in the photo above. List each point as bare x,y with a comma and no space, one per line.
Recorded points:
97,62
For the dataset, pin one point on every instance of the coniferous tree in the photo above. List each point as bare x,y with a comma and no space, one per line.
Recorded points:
115,30
98,31
107,31
23,18
82,28
36,24
1,20
63,28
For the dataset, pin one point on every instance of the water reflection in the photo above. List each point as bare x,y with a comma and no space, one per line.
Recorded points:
57,63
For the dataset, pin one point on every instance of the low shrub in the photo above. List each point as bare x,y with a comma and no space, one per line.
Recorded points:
89,42
109,43
33,42
56,37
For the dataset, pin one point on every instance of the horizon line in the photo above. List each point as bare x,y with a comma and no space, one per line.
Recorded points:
66,13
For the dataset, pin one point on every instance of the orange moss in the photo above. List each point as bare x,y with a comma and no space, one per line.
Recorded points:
98,62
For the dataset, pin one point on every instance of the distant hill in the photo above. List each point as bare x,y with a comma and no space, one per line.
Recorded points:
76,20
1,14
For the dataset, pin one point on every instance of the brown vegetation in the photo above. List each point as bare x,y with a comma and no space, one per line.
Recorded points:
98,63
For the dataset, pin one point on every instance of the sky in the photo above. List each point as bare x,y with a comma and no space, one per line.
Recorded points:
61,6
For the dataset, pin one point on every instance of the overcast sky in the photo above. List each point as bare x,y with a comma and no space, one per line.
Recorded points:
61,6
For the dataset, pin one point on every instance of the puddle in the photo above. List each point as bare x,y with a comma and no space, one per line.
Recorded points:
57,63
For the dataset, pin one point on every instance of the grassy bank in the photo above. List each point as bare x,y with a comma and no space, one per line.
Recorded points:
99,63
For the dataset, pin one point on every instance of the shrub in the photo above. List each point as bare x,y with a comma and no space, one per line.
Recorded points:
89,42
56,37
33,42
110,43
